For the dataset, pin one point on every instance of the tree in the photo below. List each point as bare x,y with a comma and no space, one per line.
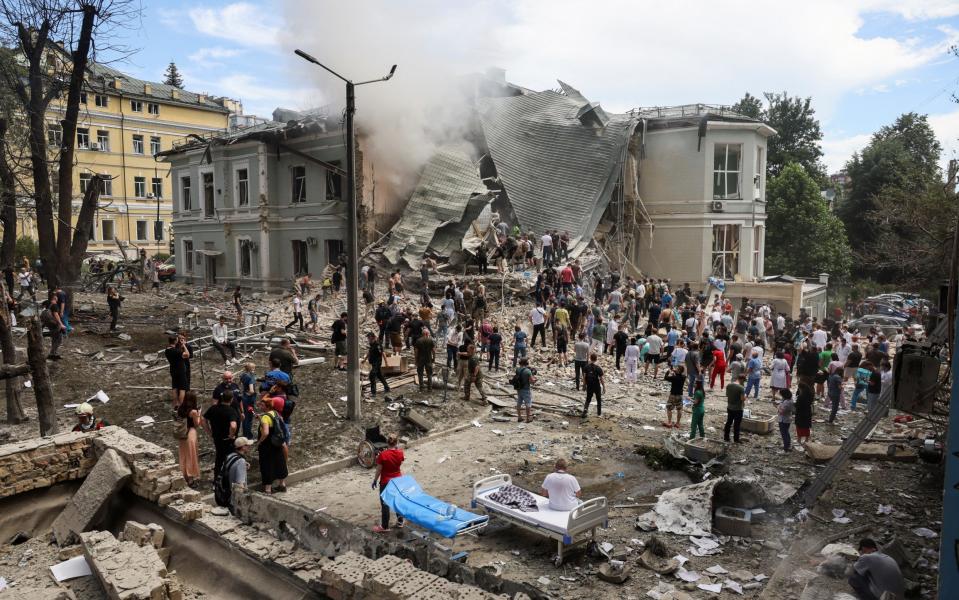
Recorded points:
172,76
902,159
798,136
55,40
750,106
808,238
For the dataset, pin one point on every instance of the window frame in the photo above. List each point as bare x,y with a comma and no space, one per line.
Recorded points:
208,208
725,172
146,231
155,145
296,198
186,192
138,141
85,182
85,132
156,187
101,100
136,105
301,257
760,171
83,97
104,145
106,185
759,234
244,246
54,135
724,260
334,183
162,233
139,186
188,255
241,187
113,232
153,108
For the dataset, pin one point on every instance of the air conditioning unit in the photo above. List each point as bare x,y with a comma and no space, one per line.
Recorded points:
94,146
718,206
312,242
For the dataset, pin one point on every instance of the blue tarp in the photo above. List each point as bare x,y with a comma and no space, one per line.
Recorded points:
405,497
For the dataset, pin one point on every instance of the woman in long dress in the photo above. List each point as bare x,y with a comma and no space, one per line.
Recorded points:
778,380
189,446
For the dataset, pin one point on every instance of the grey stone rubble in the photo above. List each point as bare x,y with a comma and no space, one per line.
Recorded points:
108,476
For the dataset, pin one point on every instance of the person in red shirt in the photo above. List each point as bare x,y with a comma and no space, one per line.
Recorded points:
719,368
566,278
387,467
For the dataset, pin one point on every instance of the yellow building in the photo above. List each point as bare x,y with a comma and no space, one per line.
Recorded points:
123,123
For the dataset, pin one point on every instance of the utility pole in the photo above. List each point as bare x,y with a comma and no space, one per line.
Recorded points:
353,394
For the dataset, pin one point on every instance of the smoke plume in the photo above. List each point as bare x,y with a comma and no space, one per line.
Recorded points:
434,43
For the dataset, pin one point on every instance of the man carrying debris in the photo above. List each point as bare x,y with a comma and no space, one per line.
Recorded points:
221,339
424,350
561,488
875,573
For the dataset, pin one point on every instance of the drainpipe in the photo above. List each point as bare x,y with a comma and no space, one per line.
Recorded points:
123,163
264,188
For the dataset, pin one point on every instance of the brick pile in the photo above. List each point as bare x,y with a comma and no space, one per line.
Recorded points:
350,576
42,462
127,570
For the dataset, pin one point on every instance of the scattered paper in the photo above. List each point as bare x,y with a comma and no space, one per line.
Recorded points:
842,520
682,560
704,543
3,583
649,428
342,398
729,584
884,509
711,587
145,419
497,432
717,570
443,459
70,405
688,576
863,468
543,581
476,423
71,569
27,383
760,577
662,589
925,532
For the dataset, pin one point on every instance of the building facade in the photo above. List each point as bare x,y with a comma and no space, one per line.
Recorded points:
124,123
259,207
702,181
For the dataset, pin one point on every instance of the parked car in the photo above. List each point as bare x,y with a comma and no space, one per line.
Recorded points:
882,308
167,271
886,324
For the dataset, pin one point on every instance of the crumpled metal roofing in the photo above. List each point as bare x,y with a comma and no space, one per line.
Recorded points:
558,173
449,182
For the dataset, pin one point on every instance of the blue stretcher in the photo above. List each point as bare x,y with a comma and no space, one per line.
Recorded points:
405,497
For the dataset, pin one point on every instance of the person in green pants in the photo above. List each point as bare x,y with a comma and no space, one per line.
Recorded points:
699,410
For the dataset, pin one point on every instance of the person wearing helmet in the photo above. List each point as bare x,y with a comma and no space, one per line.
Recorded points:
86,420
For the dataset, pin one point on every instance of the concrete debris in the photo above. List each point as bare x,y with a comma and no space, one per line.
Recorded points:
128,571
684,510
834,566
107,477
839,549
614,573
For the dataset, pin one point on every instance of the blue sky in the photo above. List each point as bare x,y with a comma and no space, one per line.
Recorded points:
863,61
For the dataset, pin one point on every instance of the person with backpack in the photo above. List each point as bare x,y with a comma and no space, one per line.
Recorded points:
522,382
595,386
387,468
271,447
222,421
233,473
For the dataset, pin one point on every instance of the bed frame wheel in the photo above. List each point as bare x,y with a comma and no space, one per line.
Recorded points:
366,454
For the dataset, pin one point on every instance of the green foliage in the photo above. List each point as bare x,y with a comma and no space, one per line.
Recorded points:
750,106
172,76
897,207
805,238
27,246
798,136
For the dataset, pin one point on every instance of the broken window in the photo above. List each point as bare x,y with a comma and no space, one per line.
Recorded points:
301,259
727,170
246,258
242,187
107,230
188,256
334,183
208,203
334,248
299,184
725,251
187,201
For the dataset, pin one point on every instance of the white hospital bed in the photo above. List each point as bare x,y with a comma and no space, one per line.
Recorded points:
568,527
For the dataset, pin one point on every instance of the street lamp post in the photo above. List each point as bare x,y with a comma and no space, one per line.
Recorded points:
352,244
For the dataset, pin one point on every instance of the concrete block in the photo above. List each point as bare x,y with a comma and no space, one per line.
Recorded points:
468,592
384,563
379,585
440,589
127,571
187,511
138,533
346,573
107,477
409,585
732,521
157,535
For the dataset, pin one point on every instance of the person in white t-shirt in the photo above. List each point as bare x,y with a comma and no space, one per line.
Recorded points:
819,337
537,317
653,354
561,488
547,241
